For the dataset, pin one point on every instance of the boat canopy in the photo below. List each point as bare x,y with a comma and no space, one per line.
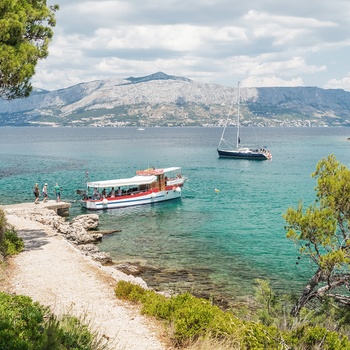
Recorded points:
152,171
133,181
174,168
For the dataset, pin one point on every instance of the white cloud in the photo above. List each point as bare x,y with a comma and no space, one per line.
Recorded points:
290,67
343,83
175,38
271,81
260,42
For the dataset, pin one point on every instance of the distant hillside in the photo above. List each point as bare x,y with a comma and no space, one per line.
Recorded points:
164,100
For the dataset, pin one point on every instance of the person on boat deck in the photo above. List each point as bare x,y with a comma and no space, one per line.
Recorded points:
96,195
103,193
119,191
111,193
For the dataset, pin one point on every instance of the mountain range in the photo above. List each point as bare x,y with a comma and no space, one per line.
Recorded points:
165,100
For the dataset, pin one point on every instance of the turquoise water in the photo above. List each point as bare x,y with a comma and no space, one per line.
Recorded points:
217,243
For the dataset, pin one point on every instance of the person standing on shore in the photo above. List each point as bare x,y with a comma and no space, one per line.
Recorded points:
58,192
45,193
36,193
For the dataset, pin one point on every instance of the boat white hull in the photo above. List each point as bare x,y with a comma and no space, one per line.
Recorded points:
148,197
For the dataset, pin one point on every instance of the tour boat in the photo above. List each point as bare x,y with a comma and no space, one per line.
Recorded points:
147,187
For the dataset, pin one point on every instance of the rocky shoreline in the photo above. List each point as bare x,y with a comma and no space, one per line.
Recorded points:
81,231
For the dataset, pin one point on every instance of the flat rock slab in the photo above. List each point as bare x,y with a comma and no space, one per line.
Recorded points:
57,207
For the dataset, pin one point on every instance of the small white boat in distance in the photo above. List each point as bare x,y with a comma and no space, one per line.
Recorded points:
147,187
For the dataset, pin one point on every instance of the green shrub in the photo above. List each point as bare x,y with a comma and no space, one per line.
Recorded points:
21,323
157,305
315,337
165,308
329,315
225,325
255,335
26,325
75,334
11,244
188,317
191,319
129,291
3,223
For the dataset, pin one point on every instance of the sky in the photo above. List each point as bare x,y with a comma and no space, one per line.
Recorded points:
261,43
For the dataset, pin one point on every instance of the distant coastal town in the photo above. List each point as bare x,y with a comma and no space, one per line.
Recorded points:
107,121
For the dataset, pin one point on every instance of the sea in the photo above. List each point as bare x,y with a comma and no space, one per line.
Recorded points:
225,232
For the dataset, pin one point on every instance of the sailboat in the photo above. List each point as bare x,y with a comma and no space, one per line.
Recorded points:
228,151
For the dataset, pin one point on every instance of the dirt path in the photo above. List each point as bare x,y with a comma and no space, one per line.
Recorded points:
53,272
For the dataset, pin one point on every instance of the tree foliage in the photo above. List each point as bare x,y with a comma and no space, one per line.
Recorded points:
25,33
322,233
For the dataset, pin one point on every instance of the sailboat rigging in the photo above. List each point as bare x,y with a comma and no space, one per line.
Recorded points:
238,152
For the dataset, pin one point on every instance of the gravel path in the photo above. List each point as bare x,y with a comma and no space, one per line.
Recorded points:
53,272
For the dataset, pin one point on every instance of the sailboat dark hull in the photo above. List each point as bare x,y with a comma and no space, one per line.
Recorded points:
244,154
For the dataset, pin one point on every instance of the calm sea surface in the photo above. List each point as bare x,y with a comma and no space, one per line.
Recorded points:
212,242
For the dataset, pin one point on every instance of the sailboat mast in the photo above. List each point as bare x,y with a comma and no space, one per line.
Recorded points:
223,132
238,111
227,120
